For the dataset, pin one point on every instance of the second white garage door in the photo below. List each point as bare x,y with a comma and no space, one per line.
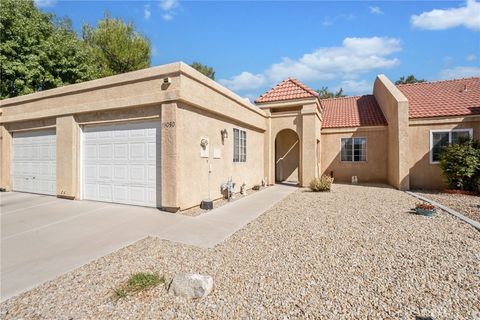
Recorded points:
121,163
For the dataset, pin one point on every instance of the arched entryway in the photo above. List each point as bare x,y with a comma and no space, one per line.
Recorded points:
287,156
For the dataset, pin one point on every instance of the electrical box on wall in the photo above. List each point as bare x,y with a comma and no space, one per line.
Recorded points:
217,153
204,149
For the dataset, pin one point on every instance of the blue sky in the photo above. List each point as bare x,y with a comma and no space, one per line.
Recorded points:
254,44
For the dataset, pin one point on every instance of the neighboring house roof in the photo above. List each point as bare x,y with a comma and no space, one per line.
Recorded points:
358,111
289,89
458,97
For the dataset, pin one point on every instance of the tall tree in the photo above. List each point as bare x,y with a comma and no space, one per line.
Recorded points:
38,51
206,70
116,46
409,79
323,93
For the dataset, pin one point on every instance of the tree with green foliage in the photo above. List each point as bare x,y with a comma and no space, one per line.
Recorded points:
409,79
460,163
116,46
38,51
206,70
325,94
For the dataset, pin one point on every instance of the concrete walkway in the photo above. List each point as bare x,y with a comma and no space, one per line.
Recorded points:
214,227
43,237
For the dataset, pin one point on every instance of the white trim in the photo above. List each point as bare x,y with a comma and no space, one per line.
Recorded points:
449,131
353,144
81,161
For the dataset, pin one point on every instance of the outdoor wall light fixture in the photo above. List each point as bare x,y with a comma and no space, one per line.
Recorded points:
224,133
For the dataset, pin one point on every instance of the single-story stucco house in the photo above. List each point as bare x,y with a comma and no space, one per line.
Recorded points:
169,137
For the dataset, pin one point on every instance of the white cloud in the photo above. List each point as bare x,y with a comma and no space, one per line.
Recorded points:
440,19
471,57
244,81
330,21
375,10
460,72
45,3
356,56
356,87
168,5
167,16
146,12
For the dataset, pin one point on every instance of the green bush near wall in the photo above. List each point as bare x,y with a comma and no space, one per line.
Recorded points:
460,163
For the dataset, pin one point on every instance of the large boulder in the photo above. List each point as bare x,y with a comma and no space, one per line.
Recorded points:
192,286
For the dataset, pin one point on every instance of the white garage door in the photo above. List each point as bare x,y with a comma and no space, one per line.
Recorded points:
34,162
121,163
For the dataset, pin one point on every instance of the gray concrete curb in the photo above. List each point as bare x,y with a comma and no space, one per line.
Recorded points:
460,216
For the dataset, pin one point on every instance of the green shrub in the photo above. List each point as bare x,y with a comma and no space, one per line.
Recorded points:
138,282
324,183
460,163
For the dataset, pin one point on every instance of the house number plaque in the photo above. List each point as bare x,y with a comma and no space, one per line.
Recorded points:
169,124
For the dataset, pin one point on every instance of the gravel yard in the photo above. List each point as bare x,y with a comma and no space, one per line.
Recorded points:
356,252
469,205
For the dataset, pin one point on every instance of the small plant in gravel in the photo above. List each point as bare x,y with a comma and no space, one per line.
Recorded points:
425,209
324,183
138,282
424,206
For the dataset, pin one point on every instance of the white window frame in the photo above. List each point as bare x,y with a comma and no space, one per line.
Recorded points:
449,131
353,150
240,146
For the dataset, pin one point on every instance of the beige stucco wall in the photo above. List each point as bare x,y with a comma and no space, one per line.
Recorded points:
373,170
5,156
395,109
68,157
193,125
310,137
424,174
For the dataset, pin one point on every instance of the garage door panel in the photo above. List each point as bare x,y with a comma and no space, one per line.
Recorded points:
120,193
121,151
137,194
105,151
105,172
34,162
120,172
137,173
90,190
90,152
137,151
127,167
105,192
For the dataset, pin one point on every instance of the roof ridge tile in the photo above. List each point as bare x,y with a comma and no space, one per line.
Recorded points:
436,81
288,89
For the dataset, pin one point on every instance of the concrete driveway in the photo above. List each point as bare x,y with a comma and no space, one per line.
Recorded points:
43,236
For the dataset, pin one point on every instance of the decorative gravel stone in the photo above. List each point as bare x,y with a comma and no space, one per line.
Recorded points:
192,286
357,252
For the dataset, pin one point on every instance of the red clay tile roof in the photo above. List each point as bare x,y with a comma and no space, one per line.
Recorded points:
443,98
289,89
356,111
